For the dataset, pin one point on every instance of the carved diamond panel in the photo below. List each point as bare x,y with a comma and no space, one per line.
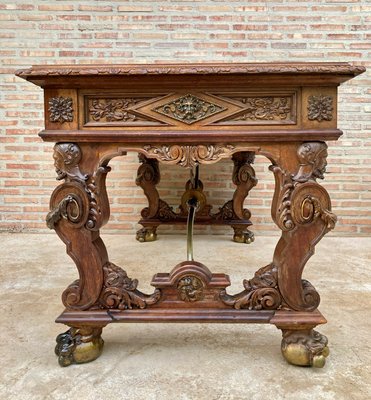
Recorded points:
189,109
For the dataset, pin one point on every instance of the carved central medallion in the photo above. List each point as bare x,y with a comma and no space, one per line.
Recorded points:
189,109
190,288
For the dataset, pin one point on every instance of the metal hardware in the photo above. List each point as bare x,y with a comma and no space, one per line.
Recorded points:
193,205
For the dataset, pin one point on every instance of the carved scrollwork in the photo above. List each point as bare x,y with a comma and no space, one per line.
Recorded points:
310,201
72,295
190,288
261,292
189,156
60,109
69,202
320,108
120,292
112,110
298,198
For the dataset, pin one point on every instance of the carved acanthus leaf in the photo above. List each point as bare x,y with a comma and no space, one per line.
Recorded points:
267,108
114,109
261,292
120,292
189,156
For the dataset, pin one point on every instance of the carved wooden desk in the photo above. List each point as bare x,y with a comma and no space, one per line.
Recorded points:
190,115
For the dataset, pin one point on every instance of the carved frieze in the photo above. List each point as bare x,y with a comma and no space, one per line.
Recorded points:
189,109
60,109
189,156
320,108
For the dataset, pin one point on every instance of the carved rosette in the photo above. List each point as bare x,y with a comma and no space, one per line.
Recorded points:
261,292
60,109
189,156
320,108
120,292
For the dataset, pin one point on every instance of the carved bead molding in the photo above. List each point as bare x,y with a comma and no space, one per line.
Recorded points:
189,109
60,109
320,108
120,292
189,156
298,198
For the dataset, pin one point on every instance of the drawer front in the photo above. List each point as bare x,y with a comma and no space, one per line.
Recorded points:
180,110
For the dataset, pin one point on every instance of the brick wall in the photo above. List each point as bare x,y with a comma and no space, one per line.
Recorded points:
39,32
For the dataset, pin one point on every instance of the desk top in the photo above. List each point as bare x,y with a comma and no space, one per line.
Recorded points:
192,102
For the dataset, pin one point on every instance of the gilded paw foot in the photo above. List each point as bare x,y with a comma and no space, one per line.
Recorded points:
78,345
146,235
243,236
305,347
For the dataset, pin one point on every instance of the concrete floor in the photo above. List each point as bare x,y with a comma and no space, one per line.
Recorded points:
181,361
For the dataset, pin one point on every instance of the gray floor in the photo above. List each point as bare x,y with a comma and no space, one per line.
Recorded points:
181,361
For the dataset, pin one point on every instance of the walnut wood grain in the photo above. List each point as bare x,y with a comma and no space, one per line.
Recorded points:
186,115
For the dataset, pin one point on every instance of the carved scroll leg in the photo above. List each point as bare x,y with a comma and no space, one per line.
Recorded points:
79,345
148,177
244,178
